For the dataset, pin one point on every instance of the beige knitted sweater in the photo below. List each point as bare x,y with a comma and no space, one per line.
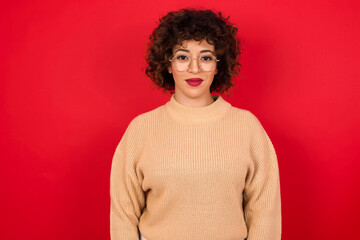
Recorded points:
186,173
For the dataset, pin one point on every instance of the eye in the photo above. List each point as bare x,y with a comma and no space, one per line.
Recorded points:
207,58
182,58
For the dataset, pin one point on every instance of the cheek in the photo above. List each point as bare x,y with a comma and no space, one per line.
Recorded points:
212,75
177,77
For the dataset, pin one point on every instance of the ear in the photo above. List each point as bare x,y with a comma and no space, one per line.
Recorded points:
169,69
216,71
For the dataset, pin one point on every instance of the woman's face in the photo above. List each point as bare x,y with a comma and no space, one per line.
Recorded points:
191,49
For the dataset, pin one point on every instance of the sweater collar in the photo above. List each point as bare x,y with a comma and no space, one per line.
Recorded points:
188,114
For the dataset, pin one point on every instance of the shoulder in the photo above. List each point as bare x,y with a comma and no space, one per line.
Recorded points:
142,122
146,117
247,121
244,115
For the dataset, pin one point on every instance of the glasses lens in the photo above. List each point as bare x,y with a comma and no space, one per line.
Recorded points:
181,63
207,63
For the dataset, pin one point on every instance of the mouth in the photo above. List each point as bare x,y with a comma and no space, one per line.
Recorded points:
194,81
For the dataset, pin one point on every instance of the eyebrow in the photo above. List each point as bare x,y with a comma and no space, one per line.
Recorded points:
185,50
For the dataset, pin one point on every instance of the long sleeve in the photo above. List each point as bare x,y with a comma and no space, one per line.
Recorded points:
262,201
127,196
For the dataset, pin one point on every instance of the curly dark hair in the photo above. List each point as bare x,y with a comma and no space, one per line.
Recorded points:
192,24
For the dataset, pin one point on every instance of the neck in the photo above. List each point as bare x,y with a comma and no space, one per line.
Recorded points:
189,114
194,102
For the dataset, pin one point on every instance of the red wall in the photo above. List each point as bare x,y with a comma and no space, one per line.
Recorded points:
72,79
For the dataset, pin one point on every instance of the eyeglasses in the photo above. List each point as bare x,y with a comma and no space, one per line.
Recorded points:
206,63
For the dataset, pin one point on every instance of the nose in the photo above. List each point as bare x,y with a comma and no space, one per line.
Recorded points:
194,67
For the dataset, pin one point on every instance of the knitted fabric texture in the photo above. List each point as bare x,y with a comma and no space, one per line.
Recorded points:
187,173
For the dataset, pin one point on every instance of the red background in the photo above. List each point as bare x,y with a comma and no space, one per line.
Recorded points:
72,80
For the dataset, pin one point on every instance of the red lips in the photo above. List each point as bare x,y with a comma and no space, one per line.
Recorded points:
194,81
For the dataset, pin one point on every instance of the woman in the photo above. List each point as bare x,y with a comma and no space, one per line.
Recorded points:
195,168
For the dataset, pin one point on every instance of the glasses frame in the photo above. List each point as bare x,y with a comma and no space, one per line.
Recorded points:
198,62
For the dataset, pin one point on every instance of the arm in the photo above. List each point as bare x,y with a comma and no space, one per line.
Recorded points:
262,202
127,197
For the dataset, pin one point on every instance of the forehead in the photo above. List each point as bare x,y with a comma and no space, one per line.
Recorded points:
195,46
